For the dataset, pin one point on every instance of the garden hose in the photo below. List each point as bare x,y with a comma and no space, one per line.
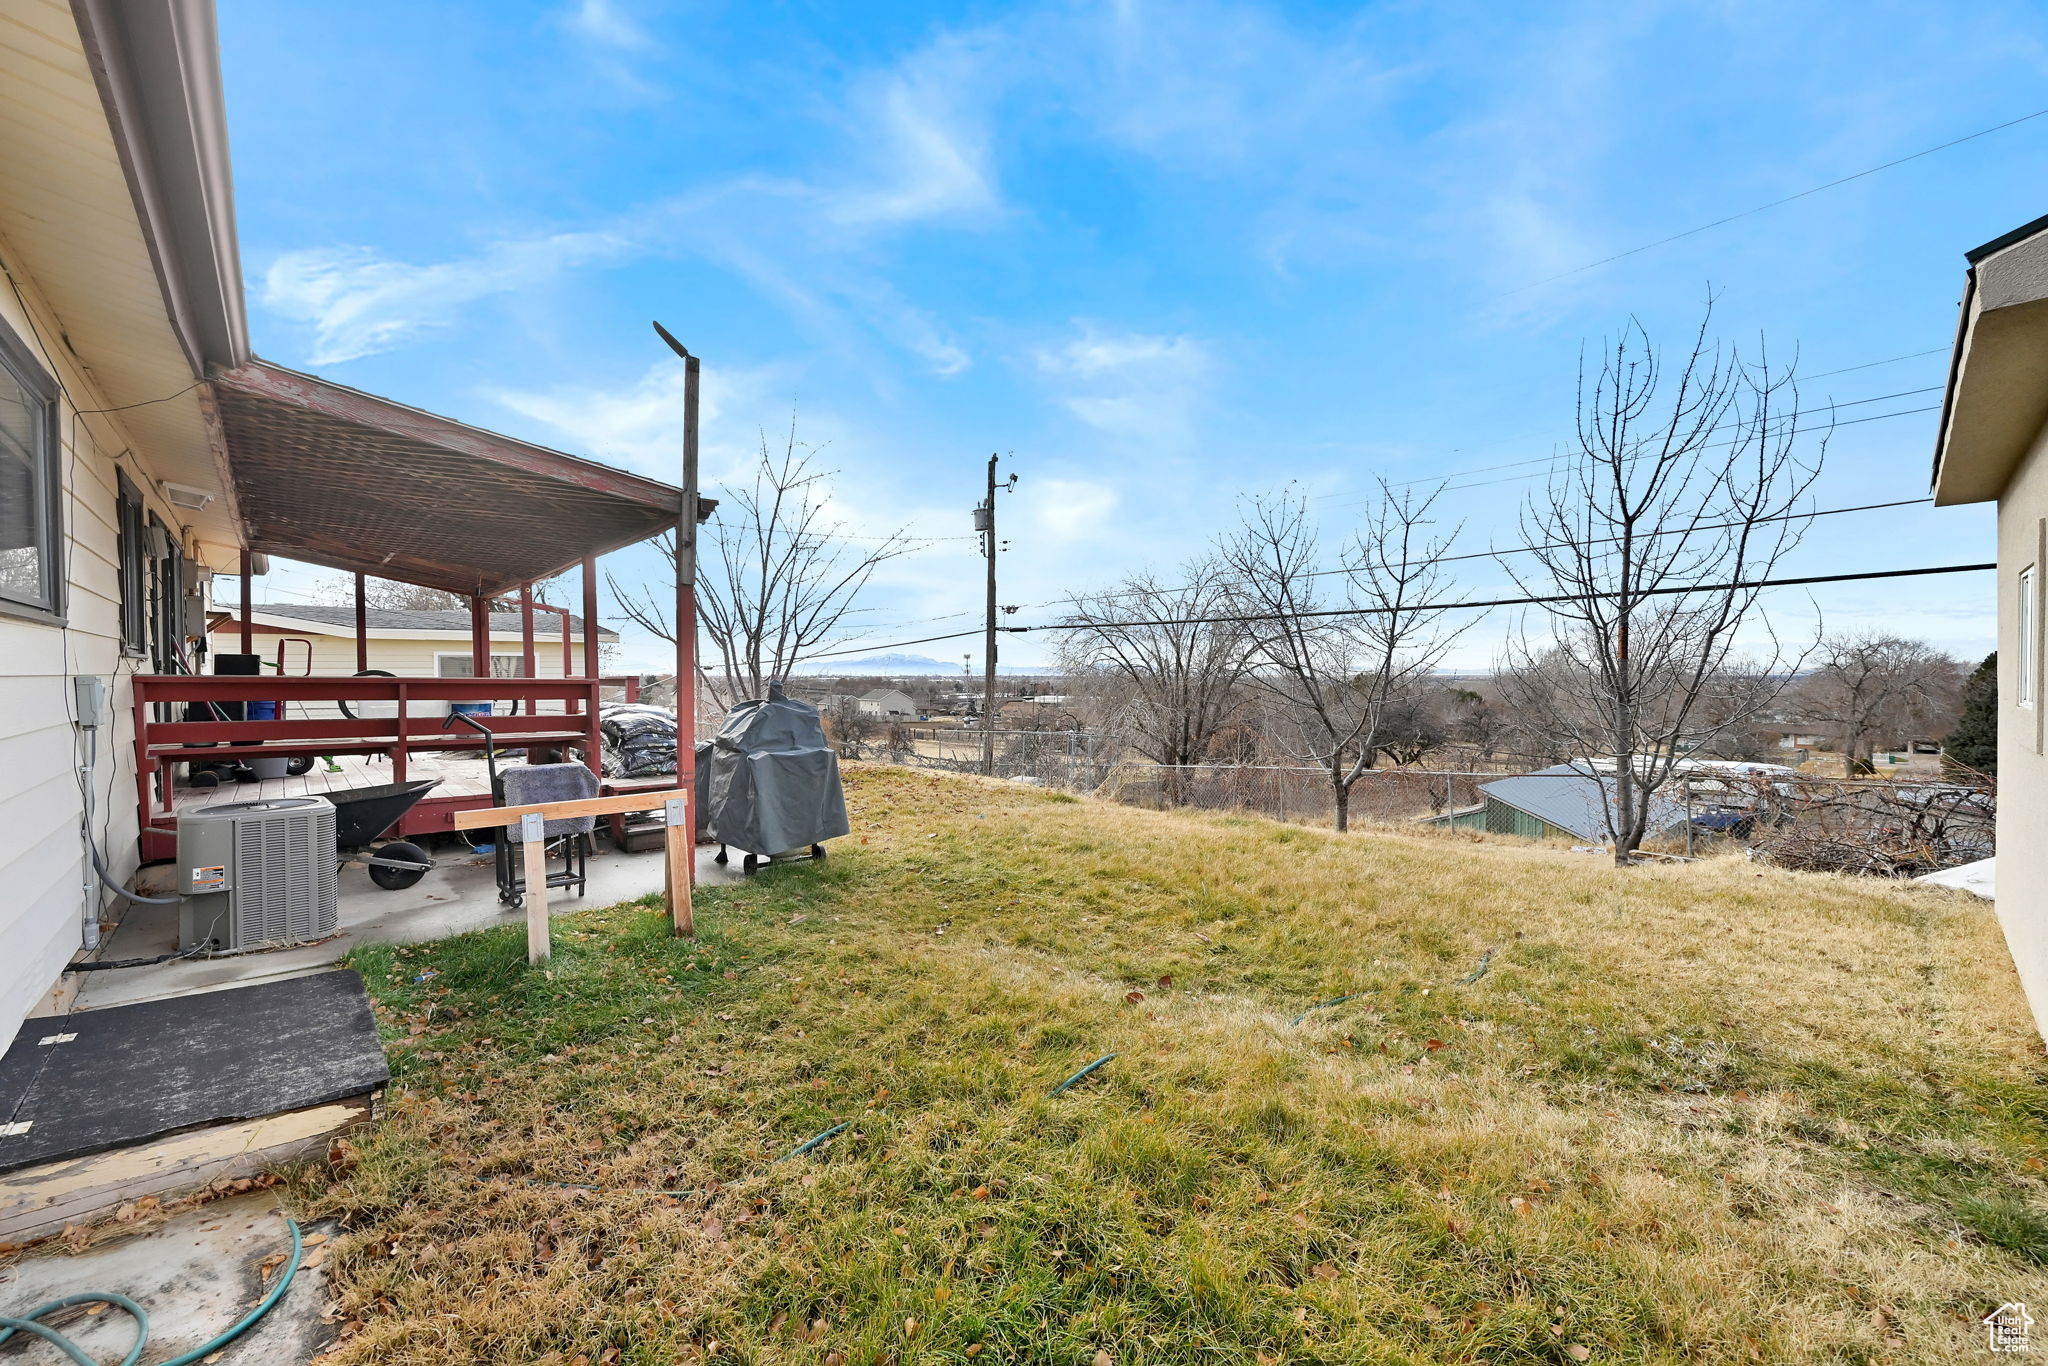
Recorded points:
1080,1074
26,1323
1325,1005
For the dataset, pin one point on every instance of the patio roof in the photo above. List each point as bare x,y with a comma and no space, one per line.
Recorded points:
337,477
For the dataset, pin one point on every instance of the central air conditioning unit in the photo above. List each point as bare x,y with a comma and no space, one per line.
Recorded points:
255,874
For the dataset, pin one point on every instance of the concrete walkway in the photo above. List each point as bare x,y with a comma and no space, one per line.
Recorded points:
460,895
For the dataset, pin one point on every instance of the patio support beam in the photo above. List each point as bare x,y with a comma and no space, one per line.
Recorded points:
590,616
686,632
248,623
479,636
529,661
362,628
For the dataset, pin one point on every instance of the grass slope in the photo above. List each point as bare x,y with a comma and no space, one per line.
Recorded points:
1700,1113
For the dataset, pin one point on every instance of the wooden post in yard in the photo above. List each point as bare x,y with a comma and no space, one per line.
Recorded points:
533,859
680,851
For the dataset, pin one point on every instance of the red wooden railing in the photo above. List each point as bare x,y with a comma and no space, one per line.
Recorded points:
160,745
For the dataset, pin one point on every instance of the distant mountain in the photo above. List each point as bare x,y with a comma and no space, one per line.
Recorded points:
897,666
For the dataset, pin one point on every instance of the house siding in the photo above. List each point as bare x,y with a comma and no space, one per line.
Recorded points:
43,864
2022,767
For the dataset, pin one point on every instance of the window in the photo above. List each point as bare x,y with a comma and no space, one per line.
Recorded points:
2028,652
458,666
134,566
31,526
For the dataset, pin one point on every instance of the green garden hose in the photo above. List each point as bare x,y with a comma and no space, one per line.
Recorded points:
1080,1074
26,1323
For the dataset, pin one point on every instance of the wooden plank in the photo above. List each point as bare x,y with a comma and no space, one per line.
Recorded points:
555,811
37,1201
535,854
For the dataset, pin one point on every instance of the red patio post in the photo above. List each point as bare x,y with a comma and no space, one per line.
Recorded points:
362,629
248,625
568,653
590,616
529,661
479,636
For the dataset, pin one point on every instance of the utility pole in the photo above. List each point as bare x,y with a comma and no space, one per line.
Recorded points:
985,523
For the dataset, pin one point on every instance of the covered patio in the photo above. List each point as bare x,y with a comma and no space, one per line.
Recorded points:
333,476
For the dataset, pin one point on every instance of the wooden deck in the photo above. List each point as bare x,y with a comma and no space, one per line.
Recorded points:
460,777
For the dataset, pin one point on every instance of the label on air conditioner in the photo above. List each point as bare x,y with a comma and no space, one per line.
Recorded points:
214,879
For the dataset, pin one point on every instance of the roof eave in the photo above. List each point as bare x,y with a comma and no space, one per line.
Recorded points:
157,64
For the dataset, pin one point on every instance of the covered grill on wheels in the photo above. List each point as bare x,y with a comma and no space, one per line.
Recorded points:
768,783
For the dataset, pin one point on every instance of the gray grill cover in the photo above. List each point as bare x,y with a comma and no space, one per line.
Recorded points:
768,783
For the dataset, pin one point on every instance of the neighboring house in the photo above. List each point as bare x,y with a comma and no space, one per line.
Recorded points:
321,639
1990,446
889,704
1566,801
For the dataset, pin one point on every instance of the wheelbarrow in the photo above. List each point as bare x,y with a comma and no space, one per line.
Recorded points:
362,814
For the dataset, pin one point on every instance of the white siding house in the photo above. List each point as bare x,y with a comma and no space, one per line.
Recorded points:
120,286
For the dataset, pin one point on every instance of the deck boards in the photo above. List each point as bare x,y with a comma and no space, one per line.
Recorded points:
459,778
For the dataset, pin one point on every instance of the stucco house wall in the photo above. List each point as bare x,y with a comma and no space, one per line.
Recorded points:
2022,766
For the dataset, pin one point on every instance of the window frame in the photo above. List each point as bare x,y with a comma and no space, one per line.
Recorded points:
517,657
47,466
132,564
2026,633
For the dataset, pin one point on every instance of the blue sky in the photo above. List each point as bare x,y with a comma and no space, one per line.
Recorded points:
1160,256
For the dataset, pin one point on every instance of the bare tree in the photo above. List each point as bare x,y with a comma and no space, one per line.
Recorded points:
1164,675
1870,683
1337,650
1682,489
778,576
388,595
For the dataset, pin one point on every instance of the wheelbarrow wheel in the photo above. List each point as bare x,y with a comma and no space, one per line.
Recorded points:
396,879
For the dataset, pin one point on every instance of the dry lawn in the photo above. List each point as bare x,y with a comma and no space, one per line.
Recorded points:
1696,1113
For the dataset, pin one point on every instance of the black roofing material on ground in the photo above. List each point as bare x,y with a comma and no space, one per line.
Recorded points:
135,1073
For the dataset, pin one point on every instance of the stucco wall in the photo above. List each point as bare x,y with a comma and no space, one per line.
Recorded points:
2022,766
42,857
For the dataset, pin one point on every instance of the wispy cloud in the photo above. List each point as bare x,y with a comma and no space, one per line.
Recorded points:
358,302
1135,387
640,425
926,145
603,22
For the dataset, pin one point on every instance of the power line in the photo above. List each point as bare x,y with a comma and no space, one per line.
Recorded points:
1548,545
1526,601
1792,416
1453,559
1873,364
1718,222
